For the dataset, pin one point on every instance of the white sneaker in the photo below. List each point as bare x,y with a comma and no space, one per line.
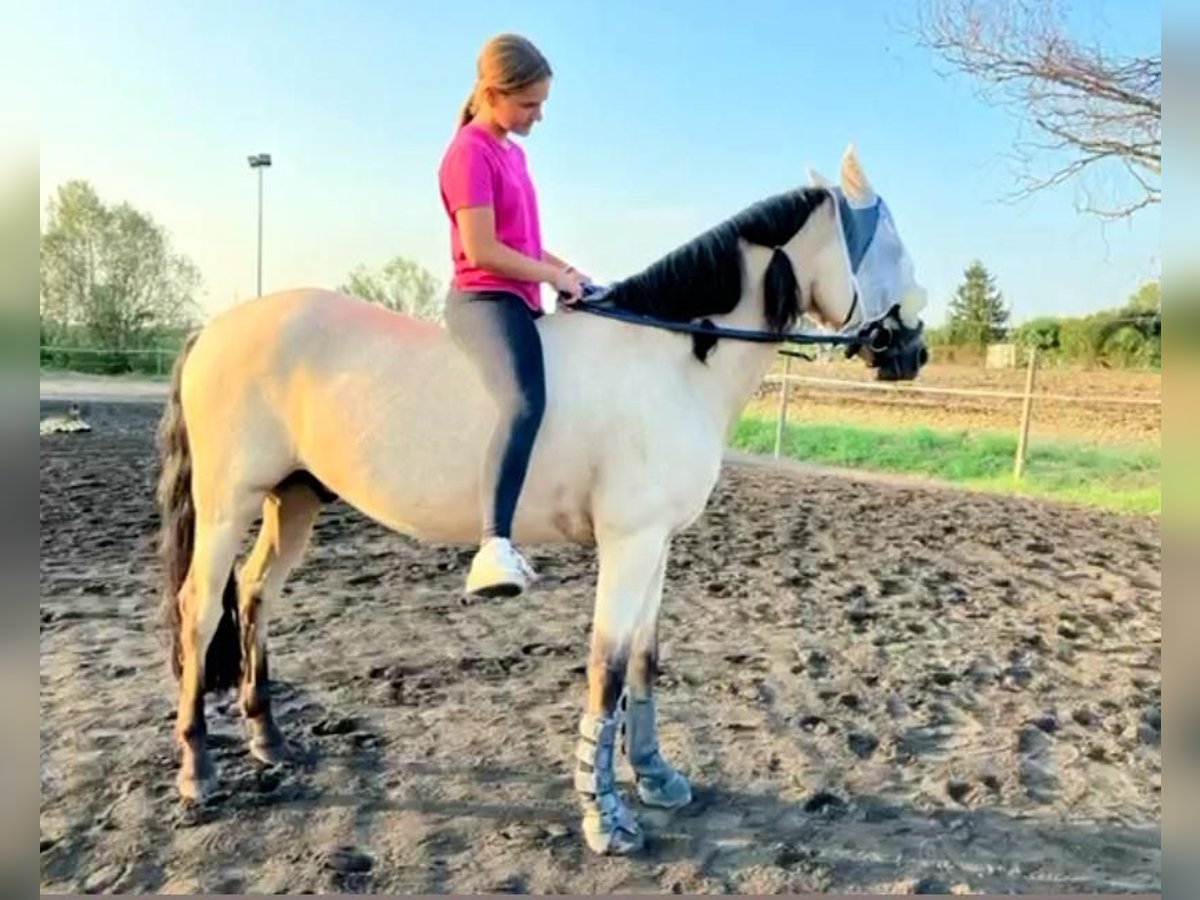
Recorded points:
498,570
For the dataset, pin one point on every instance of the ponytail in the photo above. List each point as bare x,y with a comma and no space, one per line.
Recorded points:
469,107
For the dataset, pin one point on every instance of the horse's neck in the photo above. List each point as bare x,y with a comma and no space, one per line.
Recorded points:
733,372
735,369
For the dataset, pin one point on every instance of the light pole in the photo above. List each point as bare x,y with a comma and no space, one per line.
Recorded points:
260,161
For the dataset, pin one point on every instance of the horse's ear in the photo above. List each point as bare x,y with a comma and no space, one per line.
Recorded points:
857,188
816,179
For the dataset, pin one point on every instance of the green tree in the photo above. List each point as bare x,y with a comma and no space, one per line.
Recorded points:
977,315
109,271
400,284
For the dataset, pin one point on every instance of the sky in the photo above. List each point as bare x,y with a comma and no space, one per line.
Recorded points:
663,119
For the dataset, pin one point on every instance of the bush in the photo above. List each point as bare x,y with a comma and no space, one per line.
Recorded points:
1127,346
107,362
1042,333
1128,336
1080,339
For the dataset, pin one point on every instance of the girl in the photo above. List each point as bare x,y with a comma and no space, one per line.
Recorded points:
495,298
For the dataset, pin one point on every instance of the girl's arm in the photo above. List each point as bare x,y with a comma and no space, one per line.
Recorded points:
477,226
561,263
556,261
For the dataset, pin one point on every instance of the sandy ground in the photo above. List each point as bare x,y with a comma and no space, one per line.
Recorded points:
875,686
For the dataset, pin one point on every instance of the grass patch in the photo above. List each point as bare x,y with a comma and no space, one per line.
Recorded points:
1125,479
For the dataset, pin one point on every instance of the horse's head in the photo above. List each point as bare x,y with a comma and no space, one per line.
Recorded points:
872,287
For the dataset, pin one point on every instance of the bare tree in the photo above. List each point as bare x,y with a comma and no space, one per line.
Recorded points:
1091,110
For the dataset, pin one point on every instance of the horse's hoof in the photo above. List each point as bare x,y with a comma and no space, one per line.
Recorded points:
618,841
505,591
197,787
616,832
273,753
266,742
671,792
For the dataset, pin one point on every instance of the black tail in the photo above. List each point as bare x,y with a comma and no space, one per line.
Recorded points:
223,662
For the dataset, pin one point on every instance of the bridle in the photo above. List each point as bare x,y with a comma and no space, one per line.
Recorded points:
885,342
889,343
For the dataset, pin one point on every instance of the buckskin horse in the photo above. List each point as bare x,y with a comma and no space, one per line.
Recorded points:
287,401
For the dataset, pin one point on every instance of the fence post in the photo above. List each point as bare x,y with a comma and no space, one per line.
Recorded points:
1026,408
781,418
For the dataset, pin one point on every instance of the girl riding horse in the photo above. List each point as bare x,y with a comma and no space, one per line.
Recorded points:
499,267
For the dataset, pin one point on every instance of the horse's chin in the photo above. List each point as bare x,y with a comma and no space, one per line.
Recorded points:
892,345
902,369
900,364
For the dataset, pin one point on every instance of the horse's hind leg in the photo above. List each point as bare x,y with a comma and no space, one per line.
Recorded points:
288,516
207,606
628,567
658,784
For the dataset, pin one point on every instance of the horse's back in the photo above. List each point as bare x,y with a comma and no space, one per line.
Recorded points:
311,323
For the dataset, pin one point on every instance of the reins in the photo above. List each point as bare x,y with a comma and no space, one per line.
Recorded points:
872,333
707,328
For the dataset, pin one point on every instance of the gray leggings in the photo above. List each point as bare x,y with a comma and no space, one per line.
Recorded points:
497,331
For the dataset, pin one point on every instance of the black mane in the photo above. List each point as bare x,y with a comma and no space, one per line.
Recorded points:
704,276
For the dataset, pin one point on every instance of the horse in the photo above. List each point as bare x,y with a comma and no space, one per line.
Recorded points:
291,400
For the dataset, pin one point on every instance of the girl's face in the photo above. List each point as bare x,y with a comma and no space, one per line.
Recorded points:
517,111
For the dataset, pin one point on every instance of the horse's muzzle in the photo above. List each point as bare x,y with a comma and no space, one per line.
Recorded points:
896,351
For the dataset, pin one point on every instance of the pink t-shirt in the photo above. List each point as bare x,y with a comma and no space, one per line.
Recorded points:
480,170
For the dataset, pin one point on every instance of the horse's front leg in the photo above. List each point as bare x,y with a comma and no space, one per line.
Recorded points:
658,783
628,566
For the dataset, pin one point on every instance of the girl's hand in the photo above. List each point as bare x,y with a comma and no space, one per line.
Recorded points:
569,284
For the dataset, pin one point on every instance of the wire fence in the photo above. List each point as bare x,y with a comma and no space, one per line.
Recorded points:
838,384
97,361
915,394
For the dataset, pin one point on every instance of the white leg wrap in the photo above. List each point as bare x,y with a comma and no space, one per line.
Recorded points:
658,783
608,825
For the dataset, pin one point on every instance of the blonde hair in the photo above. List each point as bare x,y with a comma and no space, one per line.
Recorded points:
508,63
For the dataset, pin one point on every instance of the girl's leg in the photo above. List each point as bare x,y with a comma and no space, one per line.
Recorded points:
498,331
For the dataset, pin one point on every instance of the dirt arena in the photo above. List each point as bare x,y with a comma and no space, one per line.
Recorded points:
874,686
